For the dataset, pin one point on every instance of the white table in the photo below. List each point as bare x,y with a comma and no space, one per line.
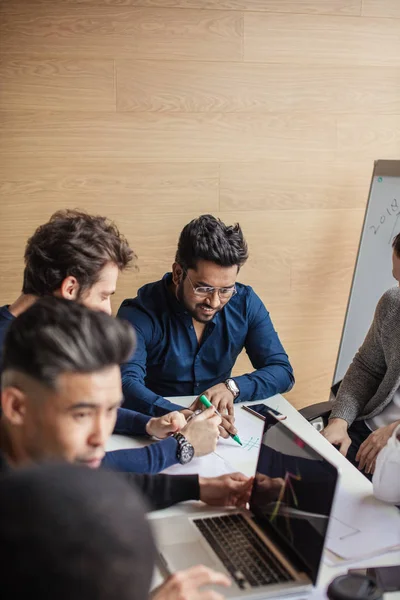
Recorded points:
351,479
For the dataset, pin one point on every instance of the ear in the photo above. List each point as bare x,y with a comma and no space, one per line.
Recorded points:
177,273
69,288
13,404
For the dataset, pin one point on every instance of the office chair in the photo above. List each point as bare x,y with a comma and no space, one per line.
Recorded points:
318,414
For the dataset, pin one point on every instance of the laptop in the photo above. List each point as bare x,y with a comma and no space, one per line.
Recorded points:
275,547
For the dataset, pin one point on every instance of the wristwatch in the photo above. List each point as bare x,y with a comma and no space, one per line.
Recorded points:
232,387
185,450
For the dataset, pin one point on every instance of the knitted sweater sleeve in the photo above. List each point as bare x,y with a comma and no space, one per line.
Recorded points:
367,369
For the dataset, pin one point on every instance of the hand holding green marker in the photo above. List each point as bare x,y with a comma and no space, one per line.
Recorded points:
205,402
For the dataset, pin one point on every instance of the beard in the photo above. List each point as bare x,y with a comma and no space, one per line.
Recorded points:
195,311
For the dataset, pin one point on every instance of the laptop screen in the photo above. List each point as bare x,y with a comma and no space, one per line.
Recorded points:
293,494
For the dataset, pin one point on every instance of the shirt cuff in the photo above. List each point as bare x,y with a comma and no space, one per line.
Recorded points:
246,388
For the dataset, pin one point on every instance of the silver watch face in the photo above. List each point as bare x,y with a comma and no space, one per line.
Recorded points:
186,453
232,386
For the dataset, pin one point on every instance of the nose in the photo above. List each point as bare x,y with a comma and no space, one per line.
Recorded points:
108,308
100,432
213,299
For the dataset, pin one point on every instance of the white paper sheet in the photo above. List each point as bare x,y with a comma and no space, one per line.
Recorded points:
228,451
249,431
361,526
211,465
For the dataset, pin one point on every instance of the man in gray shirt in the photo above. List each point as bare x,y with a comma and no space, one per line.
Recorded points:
367,407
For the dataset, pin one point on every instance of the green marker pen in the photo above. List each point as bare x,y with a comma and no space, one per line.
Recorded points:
205,401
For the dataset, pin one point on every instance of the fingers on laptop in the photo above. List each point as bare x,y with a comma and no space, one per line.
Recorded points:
188,584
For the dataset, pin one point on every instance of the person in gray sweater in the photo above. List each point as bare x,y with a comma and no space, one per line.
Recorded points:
367,406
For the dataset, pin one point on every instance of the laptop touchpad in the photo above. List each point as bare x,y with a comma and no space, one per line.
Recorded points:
173,531
184,556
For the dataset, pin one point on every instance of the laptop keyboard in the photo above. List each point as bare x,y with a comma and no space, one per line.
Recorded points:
245,556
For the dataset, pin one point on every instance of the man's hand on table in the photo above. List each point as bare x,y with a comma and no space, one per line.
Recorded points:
233,489
202,431
222,399
370,448
336,433
188,584
162,427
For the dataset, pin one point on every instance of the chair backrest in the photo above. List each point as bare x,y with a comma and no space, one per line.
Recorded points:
335,388
334,391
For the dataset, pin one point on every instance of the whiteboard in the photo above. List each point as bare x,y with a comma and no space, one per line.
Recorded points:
373,270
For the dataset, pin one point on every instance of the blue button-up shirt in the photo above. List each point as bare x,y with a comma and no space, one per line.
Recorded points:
169,361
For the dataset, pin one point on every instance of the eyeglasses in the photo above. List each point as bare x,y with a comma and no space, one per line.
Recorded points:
203,291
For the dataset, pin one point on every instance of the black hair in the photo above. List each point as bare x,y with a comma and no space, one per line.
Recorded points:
73,533
72,243
396,245
55,336
208,238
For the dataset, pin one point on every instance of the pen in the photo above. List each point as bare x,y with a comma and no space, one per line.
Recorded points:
205,401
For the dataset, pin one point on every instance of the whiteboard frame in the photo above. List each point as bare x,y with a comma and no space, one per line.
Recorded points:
382,168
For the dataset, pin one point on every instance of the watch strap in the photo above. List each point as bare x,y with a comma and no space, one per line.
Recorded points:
183,446
180,439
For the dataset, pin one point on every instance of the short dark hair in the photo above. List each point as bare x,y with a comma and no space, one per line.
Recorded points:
396,245
72,243
208,238
73,533
56,336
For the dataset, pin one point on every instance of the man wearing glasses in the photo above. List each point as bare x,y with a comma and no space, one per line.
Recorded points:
192,325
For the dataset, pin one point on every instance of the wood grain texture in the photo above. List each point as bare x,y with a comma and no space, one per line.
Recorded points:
106,32
323,40
285,185
100,184
373,138
163,137
328,7
175,86
381,8
287,248
56,84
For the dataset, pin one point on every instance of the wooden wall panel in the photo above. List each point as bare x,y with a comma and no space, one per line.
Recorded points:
328,7
286,185
381,8
97,183
56,84
265,112
372,137
107,32
175,86
168,137
323,40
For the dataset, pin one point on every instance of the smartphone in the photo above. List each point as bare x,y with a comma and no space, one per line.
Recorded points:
261,411
387,578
